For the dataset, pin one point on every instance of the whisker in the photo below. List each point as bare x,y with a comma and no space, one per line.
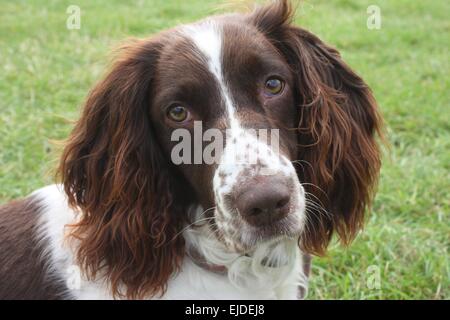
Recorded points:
204,212
315,186
297,162
319,208
190,225
300,162
313,195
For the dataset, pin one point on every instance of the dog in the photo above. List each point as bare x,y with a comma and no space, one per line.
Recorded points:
133,217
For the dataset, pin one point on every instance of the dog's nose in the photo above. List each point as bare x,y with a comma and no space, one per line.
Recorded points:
266,199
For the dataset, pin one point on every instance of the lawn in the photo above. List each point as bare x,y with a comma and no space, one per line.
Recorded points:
46,71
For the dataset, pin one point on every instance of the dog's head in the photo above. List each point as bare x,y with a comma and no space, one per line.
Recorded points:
257,121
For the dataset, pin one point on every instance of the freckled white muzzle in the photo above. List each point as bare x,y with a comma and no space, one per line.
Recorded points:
246,160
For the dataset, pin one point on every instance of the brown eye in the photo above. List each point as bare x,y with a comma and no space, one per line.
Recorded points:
177,113
273,86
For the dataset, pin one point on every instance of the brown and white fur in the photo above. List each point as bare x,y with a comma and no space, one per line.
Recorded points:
126,222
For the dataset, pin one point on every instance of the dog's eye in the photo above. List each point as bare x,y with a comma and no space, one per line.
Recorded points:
273,86
177,113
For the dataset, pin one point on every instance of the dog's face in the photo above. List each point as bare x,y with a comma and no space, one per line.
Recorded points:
224,74
273,94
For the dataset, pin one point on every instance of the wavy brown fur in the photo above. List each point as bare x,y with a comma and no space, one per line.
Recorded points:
115,173
113,170
337,129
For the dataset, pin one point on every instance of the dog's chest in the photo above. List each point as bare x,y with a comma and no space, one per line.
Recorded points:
193,282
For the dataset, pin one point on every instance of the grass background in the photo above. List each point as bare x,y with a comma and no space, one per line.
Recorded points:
46,71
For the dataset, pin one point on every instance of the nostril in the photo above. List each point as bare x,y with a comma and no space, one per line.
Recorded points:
266,202
282,203
255,211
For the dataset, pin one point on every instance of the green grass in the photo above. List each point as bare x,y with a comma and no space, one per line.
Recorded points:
46,71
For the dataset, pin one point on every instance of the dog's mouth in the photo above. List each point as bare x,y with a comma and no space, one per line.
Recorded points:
242,237
289,227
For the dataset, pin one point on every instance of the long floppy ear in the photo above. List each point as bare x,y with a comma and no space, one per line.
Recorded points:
337,131
113,171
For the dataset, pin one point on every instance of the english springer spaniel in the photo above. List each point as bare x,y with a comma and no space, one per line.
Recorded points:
129,220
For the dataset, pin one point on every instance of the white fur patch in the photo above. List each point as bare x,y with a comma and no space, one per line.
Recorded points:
207,36
192,282
56,215
243,148
248,276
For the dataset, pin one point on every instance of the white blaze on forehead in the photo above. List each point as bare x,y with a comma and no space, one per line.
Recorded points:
208,38
234,167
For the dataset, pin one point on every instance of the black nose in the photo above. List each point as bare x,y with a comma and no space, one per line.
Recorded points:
266,199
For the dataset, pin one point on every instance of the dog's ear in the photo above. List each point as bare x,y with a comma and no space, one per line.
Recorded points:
337,131
114,173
